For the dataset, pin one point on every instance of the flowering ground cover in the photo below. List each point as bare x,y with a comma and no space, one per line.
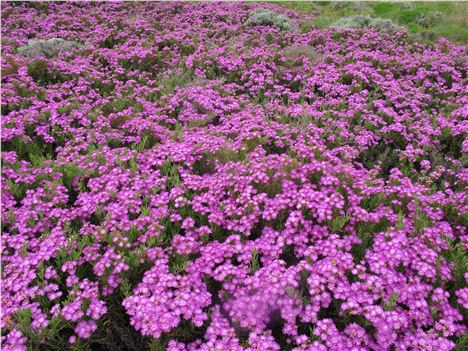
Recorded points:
204,176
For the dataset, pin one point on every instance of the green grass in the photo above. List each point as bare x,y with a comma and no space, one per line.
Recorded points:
453,23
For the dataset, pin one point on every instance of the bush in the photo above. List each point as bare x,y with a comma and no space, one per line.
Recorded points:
265,17
294,54
426,37
429,19
364,22
360,6
338,4
405,5
48,48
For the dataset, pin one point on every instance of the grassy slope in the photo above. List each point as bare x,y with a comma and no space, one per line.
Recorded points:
453,25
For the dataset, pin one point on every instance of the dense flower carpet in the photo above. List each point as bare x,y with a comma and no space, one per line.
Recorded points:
175,176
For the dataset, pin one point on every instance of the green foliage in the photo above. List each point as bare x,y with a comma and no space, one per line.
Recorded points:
371,202
69,172
301,6
400,221
125,287
31,150
365,231
40,6
149,63
462,343
207,163
254,262
338,223
170,170
115,332
178,263
459,257
384,8
391,303
170,83
17,190
272,188
41,73
24,318
422,220
118,105
110,41
403,14
52,336
158,345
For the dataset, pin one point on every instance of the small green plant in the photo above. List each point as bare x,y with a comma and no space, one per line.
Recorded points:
265,17
42,73
48,48
157,344
462,343
391,303
175,80
254,262
178,263
338,223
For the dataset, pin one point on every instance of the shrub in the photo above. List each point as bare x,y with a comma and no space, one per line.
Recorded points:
265,17
364,22
338,4
294,54
48,48
429,19
405,5
424,37
360,6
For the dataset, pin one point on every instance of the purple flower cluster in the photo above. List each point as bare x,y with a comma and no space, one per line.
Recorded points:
217,188
164,298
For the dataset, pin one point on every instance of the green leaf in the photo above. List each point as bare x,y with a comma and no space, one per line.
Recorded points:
254,261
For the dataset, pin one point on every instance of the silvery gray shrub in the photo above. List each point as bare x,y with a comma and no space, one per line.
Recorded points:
338,4
266,17
47,48
366,21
